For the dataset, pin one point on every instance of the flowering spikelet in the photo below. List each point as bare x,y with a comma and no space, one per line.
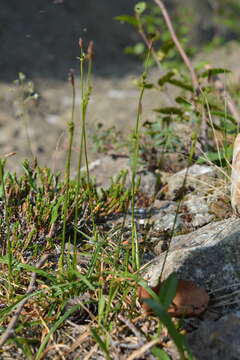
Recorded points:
81,43
235,178
90,50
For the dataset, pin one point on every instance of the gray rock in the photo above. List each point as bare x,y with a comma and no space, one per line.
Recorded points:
148,183
217,340
164,219
197,176
193,213
209,256
198,208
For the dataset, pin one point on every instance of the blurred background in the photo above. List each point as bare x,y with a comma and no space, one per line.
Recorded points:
40,37
40,40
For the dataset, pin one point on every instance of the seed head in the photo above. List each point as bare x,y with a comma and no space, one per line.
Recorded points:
81,43
90,50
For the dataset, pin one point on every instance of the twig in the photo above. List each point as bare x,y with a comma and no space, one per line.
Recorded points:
138,353
91,352
133,328
178,45
9,331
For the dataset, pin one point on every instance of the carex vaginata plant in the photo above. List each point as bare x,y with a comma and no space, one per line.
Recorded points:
71,79
85,91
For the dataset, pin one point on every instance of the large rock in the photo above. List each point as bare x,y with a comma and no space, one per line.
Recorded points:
217,340
210,256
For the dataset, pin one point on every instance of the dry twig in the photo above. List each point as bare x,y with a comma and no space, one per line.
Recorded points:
133,328
178,45
139,352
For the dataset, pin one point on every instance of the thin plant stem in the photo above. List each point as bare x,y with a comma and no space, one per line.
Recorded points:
83,141
7,246
81,59
178,45
135,250
68,167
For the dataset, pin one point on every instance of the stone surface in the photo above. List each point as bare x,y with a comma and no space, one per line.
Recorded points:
198,177
198,209
217,340
209,256
163,219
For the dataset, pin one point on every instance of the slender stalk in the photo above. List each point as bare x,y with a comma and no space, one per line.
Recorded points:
68,167
7,246
178,45
135,250
83,141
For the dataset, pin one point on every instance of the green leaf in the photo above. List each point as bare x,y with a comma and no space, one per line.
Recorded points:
55,209
181,84
167,46
143,283
168,290
183,101
211,156
159,353
224,115
140,7
137,49
215,71
101,343
148,85
37,271
165,318
165,78
169,110
127,19
28,172
216,157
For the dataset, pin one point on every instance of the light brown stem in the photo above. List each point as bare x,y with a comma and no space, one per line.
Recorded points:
181,51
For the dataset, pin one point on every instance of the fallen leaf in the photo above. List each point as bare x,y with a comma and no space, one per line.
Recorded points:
190,299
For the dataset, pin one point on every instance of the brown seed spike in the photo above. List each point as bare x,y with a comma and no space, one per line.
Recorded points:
81,43
235,178
90,50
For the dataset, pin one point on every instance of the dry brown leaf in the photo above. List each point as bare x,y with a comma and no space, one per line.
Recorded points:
190,299
235,178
